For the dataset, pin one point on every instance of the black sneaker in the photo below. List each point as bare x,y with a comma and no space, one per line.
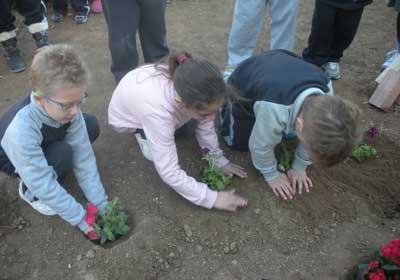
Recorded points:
82,16
57,16
41,38
13,56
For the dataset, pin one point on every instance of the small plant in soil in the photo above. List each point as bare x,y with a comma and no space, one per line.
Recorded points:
112,225
363,152
384,265
285,162
213,176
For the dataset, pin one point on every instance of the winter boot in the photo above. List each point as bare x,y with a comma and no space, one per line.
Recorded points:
13,55
41,38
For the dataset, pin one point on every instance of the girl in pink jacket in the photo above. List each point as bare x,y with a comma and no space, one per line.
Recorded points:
154,100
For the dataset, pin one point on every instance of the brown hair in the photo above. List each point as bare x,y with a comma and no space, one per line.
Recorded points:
331,128
197,81
57,66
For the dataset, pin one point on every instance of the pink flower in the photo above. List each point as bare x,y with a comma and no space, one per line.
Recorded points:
90,219
91,209
373,264
378,275
392,251
91,214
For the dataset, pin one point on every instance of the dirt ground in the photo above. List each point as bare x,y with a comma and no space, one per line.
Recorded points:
352,209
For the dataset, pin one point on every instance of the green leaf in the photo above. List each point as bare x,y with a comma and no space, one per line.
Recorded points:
390,267
364,151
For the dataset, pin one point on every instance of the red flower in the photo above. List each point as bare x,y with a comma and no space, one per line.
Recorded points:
373,264
91,214
91,209
378,275
392,251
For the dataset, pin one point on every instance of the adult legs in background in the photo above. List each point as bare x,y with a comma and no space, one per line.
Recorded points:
283,23
123,19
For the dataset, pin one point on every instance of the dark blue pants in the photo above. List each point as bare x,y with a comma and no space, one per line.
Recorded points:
124,18
32,10
332,31
59,154
77,5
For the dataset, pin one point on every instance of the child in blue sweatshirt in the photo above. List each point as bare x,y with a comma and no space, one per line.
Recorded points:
45,136
283,96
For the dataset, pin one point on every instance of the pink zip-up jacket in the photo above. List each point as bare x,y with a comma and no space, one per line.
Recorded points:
145,99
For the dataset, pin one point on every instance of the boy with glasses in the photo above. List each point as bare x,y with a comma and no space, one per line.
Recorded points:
45,136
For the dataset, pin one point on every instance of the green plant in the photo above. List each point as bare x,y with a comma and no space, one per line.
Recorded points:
364,151
213,176
112,224
285,162
383,265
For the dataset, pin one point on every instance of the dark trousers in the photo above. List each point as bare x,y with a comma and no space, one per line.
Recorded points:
332,31
237,121
32,10
398,30
77,5
124,18
59,154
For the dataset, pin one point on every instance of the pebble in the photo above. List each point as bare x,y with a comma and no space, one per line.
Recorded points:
90,254
296,275
317,231
233,246
198,248
257,211
69,266
78,257
188,231
226,250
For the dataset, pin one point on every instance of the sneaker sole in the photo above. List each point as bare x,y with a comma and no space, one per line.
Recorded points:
142,144
37,205
19,70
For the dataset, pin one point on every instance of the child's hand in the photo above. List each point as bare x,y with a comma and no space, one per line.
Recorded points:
282,187
229,201
300,180
232,169
89,229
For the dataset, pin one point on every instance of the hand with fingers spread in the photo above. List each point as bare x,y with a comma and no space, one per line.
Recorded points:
299,180
231,169
229,201
282,187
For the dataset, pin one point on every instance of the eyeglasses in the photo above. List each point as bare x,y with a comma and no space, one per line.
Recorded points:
66,106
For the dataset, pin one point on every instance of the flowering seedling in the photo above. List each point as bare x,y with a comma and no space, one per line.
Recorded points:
373,132
363,152
384,265
112,224
213,175
285,162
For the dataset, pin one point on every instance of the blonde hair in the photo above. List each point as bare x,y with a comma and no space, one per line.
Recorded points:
57,66
331,128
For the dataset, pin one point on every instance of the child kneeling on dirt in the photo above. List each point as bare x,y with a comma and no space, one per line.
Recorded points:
45,136
154,100
285,96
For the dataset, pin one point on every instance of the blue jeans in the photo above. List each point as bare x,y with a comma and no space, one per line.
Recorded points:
248,18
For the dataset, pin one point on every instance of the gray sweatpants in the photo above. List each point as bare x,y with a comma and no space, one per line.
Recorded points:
248,18
124,18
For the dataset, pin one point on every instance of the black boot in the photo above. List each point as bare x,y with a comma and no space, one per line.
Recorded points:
13,55
41,38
